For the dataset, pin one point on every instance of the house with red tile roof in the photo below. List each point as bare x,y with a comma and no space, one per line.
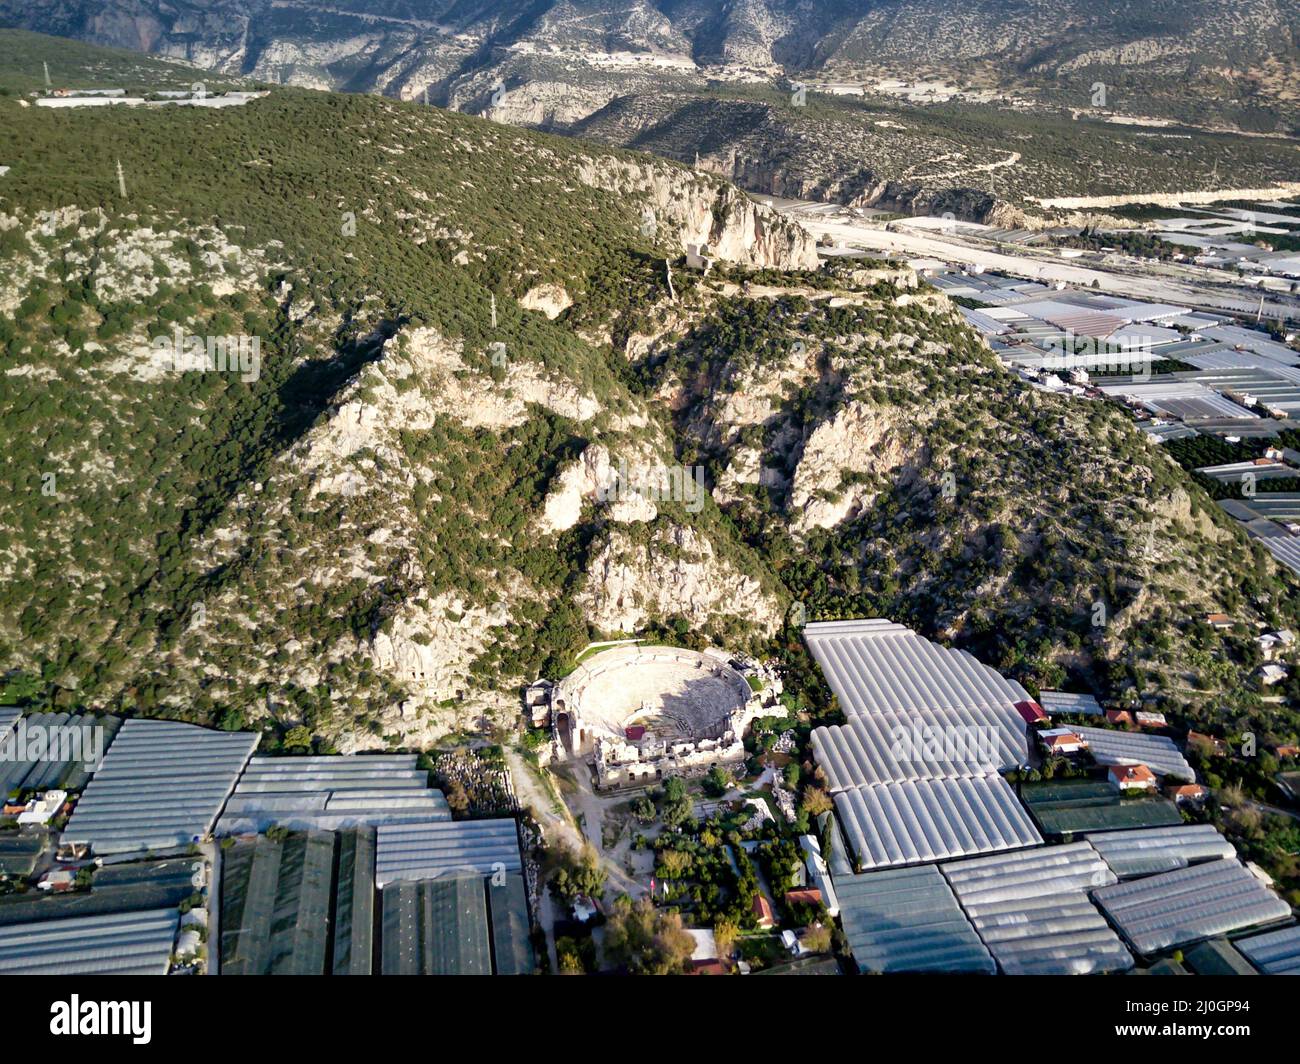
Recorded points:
1062,741
1131,778
1187,793
806,896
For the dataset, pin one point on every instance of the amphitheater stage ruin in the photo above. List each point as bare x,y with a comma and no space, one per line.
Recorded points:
641,713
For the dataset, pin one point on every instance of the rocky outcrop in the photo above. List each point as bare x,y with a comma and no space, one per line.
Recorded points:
744,469
428,645
1173,199
844,464
676,573
539,104
773,175
687,208
551,299
780,175
474,399
593,477
964,204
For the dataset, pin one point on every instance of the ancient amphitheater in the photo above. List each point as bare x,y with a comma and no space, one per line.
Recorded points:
647,711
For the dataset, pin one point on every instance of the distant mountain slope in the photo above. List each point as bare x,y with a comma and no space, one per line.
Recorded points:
1055,36
981,163
1162,51
1045,92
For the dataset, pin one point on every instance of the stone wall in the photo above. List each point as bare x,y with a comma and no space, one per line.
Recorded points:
622,762
678,759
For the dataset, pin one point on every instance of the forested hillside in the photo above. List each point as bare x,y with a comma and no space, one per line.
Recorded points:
393,519
336,230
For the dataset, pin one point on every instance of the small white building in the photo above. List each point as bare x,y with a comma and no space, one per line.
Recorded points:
1271,674
1269,645
698,257
1064,741
819,873
42,810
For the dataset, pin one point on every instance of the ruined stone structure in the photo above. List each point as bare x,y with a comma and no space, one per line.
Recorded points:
643,713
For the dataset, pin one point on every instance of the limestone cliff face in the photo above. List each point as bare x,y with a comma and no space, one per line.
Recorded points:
216,38
354,463
1176,510
744,232
774,176
966,204
1172,199
426,649
845,462
551,299
593,478
779,175
689,208
479,402
675,573
536,104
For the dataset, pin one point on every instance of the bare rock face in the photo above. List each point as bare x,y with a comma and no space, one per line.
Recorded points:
539,104
595,476
216,39
699,210
630,583
745,468
429,644
1279,190
860,439
967,204
477,401
743,231
426,644
1175,511
575,484
551,299
899,276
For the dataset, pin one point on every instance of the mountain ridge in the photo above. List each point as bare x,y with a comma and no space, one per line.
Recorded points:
398,521
442,48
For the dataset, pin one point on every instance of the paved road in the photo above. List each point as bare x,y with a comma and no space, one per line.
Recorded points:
1276,810
939,246
533,795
